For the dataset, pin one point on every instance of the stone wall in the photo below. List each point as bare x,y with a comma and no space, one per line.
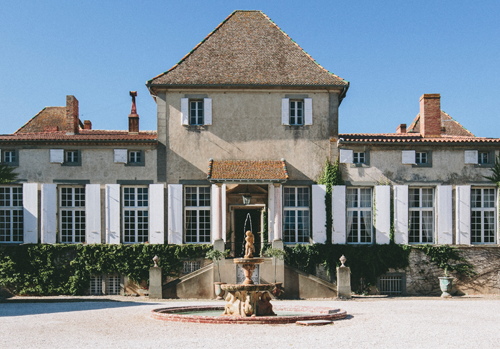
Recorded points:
422,275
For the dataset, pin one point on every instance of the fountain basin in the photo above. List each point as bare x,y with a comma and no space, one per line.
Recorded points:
300,313
247,288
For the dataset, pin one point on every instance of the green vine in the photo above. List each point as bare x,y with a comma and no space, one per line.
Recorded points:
447,258
66,269
330,176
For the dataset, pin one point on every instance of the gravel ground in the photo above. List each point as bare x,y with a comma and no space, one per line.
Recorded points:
123,322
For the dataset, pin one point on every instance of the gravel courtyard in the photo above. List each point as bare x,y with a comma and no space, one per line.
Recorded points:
124,322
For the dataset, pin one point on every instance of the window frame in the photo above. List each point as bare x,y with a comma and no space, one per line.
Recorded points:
296,209
140,217
142,159
295,110
75,210
358,210
482,210
78,161
421,209
14,163
491,158
428,158
198,101
197,208
15,211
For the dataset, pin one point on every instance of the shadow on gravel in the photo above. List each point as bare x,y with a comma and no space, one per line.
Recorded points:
44,307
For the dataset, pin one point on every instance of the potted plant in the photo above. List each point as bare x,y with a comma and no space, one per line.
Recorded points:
215,256
446,283
277,254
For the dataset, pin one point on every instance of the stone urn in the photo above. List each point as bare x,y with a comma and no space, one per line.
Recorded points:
446,284
278,290
219,292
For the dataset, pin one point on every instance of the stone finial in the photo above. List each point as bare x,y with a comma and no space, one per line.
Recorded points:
156,259
342,260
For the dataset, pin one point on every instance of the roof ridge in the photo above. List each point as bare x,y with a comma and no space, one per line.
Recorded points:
196,47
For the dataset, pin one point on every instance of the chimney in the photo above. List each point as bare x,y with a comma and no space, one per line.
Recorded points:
133,118
87,125
72,122
430,115
401,128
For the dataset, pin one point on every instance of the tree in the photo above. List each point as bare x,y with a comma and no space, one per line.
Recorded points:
7,174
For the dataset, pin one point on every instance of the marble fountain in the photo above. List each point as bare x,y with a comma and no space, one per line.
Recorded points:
248,303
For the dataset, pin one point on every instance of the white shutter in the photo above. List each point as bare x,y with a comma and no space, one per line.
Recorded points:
346,156
1,159
401,214
30,213
339,213
223,213
270,205
112,211
48,221
383,214
285,111
93,213
471,156
444,214
156,214
408,156
120,155
175,206
185,111
57,156
318,213
308,111
207,106
463,214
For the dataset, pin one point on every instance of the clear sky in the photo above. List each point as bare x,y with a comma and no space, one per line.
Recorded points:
392,52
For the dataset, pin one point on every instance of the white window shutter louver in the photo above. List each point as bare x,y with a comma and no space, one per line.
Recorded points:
339,214
408,157
346,156
285,111
471,156
383,213
156,214
93,213
112,211
308,111
318,213
444,214
174,211
463,214
30,213
185,111
48,220
57,156
207,106
401,214
120,156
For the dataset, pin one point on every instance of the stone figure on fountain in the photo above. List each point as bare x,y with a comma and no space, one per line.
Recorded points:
249,247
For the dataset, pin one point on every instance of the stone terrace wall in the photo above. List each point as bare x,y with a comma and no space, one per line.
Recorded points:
422,275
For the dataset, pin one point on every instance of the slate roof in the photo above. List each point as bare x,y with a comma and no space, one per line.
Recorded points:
450,125
247,48
391,138
84,136
234,170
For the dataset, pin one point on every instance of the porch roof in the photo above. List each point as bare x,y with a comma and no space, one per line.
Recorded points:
247,171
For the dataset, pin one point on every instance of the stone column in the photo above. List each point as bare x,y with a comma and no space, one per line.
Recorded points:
344,282
155,283
217,218
278,239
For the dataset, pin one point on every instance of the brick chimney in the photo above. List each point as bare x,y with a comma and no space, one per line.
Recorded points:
401,128
430,115
72,121
133,118
87,125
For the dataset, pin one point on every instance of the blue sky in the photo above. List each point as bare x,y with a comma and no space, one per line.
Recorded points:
392,52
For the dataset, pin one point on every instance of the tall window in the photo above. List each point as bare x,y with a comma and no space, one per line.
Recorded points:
72,211
297,112
11,214
421,215
196,112
197,214
359,215
483,216
297,222
135,214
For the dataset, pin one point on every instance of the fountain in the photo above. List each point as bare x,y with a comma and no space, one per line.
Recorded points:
248,299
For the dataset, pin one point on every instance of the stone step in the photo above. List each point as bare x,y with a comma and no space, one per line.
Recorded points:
314,322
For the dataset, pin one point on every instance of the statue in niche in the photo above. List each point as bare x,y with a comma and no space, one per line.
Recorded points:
249,247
